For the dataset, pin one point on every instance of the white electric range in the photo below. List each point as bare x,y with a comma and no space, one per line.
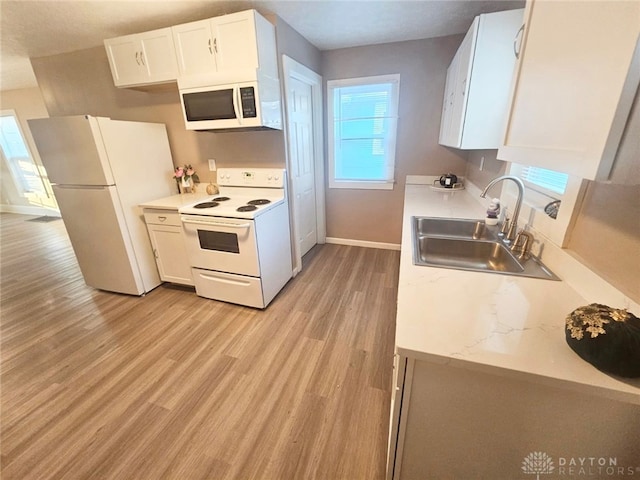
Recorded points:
238,241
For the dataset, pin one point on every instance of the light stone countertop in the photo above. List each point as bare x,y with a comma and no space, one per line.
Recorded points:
174,202
500,324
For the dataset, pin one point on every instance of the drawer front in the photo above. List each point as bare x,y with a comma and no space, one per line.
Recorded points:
162,217
228,287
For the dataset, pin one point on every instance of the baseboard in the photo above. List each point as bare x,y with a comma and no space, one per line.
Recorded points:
363,243
29,210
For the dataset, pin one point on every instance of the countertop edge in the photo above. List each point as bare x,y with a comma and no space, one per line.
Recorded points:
520,375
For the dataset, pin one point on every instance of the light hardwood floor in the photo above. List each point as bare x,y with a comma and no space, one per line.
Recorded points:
174,386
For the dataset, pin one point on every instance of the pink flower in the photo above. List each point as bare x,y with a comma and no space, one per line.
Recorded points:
179,172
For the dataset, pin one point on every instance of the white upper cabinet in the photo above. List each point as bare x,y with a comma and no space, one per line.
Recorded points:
195,48
142,58
574,85
478,80
238,41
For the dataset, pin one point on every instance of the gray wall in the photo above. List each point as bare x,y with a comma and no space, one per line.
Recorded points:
376,215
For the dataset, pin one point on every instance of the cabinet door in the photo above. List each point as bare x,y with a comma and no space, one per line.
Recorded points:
575,81
234,41
170,253
456,90
194,45
124,60
447,105
158,55
461,85
492,72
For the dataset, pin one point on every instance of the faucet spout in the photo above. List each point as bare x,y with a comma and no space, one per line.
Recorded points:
516,211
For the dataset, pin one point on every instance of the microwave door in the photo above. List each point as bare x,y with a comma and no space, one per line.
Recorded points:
210,105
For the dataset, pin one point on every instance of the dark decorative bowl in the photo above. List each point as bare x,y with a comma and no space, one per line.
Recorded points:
608,338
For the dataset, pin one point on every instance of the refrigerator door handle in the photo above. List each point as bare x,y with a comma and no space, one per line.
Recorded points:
81,187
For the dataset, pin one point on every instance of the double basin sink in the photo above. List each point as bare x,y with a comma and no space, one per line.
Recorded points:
469,245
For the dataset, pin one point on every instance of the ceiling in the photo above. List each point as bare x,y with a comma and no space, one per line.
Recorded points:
41,28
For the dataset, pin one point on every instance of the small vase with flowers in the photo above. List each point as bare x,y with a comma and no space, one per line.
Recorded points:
186,178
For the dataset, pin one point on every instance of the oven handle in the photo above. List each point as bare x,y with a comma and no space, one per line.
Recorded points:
216,224
225,280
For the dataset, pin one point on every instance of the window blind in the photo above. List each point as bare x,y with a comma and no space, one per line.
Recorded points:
548,179
364,128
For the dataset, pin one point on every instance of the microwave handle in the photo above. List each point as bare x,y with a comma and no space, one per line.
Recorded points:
236,104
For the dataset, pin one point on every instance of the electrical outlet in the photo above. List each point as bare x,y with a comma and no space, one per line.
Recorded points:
212,165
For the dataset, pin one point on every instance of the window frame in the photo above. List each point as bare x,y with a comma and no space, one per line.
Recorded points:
18,175
371,184
532,212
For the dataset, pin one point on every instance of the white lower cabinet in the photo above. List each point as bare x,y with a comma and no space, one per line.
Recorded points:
451,422
165,232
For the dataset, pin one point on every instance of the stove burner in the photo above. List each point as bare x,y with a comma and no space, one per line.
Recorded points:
220,199
260,201
246,208
206,205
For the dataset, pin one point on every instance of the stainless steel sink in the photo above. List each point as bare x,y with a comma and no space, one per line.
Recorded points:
467,254
467,244
453,227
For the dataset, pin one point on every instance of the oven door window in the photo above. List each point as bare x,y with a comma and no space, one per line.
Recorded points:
218,241
210,105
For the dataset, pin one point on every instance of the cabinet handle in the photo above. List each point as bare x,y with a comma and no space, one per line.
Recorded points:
215,44
210,50
162,219
516,51
142,59
155,253
138,58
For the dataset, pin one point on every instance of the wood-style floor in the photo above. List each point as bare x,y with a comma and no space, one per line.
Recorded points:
174,386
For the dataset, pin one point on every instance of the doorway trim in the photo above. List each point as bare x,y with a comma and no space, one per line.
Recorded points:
295,70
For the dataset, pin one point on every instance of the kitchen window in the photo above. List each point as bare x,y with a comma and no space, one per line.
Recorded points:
543,186
363,114
547,180
26,175
550,199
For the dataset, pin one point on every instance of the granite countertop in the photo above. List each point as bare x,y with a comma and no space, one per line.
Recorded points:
501,324
174,202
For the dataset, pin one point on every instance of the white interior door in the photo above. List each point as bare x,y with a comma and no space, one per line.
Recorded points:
301,147
303,104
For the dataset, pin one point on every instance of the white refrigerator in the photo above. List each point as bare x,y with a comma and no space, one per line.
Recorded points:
101,170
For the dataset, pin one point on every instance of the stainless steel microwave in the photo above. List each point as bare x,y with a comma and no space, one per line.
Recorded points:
250,105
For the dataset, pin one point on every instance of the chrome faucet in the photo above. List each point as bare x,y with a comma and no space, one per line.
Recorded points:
511,235
522,245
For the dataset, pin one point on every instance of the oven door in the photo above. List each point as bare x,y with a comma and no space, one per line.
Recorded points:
221,244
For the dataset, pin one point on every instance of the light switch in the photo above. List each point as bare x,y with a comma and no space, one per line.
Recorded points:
212,165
